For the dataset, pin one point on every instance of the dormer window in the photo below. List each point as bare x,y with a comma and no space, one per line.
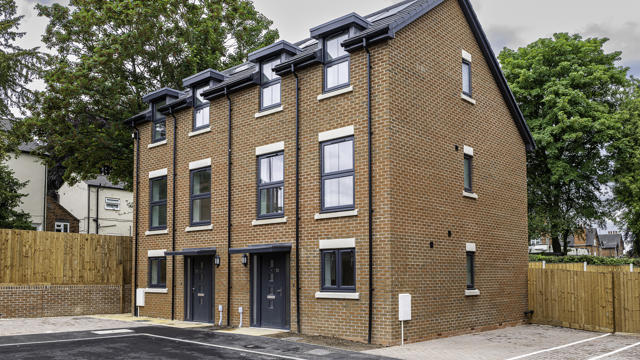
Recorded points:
158,129
200,108
269,84
336,63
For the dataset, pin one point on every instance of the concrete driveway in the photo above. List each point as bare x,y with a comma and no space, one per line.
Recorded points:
531,342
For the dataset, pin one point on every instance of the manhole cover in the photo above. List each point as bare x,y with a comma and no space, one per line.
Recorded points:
319,352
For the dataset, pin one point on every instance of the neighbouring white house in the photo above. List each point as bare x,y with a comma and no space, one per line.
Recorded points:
101,206
28,167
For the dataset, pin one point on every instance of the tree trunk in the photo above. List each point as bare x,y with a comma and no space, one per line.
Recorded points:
565,242
555,243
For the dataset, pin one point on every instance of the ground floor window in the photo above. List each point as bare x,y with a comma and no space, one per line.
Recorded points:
62,226
158,272
338,270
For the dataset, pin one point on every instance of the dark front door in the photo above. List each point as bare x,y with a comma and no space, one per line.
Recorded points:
273,295
201,288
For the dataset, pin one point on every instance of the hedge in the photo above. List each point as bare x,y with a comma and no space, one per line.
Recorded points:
590,259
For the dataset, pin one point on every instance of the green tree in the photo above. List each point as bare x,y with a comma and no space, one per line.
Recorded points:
625,152
10,200
569,90
110,53
17,68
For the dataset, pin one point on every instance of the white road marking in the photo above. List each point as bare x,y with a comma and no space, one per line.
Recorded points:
558,347
114,331
615,351
68,340
224,347
155,336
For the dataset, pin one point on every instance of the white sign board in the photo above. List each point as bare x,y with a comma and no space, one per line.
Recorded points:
404,307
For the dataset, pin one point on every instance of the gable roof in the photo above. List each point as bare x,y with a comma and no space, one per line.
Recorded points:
377,26
590,238
102,181
610,241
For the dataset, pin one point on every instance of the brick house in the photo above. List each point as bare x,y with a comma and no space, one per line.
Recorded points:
611,244
584,242
311,189
58,218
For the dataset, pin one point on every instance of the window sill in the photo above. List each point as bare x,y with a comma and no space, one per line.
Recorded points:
268,112
331,94
156,290
259,222
156,232
474,292
467,98
198,228
201,131
469,195
156,144
337,295
337,214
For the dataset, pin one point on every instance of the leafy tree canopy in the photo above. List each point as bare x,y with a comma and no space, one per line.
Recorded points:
10,200
17,68
569,90
110,53
625,153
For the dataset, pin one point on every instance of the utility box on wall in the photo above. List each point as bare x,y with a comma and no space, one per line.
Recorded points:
404,307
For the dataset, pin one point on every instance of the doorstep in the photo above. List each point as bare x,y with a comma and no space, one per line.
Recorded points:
153,321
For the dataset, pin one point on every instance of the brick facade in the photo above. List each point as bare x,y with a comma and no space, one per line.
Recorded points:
57,213
29,301
419,119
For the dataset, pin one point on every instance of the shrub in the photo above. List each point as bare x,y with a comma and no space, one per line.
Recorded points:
590,259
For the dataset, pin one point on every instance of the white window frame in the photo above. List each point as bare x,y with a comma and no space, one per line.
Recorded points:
116,201
60,225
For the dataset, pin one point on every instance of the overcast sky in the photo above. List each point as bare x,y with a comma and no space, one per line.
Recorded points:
511,23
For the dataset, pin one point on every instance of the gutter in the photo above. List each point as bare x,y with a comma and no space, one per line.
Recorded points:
293,71
226,93
136,136
370,187
173,216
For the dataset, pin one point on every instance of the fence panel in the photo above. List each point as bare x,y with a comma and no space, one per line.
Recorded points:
49,258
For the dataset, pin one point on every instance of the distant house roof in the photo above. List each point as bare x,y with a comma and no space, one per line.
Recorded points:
102,181
6,125
590,238
610,241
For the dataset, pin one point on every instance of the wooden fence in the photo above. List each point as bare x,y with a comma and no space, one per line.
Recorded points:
49,258
599,299
580,267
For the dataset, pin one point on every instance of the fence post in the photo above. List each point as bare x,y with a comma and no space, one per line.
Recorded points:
613,295
544,264
585,266
631,267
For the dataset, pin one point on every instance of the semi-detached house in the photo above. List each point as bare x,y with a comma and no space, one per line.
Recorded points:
313,184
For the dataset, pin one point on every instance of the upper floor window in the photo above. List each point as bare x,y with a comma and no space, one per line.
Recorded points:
112,204
468,169
271,185
337,174
200,108
466,77
336,63
158,203
158,129
201,196
61,227
269,84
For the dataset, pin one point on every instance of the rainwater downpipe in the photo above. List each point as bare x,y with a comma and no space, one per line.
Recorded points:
293,70
98,209
370,187
136,136
173,214
226,93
